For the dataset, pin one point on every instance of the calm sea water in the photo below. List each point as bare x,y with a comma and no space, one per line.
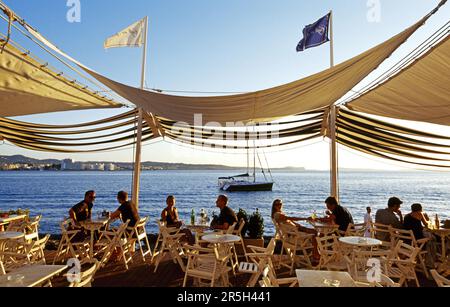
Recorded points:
53,193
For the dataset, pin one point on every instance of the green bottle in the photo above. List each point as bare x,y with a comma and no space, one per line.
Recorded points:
193,217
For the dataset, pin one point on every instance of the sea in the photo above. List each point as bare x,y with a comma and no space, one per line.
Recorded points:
52,194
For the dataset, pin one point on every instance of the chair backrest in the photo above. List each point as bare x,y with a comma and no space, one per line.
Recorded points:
139,227
405,252
231,229
268,280
440,280
238,231
327,243
407,236
86,277
382,232
357,230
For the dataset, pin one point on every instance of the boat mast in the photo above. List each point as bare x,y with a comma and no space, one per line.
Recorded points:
254,157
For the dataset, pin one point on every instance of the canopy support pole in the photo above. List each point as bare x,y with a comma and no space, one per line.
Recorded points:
138,154
334,167
334,163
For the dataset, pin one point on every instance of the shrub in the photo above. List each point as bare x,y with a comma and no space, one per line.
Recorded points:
256,225
242,214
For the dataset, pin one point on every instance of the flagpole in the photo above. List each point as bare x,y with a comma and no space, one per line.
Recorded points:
138,154
334,163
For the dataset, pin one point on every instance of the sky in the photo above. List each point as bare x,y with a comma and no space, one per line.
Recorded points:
222,46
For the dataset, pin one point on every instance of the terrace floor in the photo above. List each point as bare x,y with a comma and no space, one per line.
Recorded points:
169,274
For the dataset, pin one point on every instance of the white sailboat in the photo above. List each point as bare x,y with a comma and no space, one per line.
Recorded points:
247,182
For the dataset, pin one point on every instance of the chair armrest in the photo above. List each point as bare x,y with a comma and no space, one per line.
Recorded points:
285,281
256,248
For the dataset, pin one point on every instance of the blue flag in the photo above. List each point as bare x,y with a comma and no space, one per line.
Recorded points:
315,34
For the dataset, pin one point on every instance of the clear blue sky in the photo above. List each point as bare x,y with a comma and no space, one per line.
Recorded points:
220,45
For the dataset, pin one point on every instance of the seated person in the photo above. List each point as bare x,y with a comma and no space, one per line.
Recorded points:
227,216
170,214
83,210
391,216
281,218
337,214
127,210
416,221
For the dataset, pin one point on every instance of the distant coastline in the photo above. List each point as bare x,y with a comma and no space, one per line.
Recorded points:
22,163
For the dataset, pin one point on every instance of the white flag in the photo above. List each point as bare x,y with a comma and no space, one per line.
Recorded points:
133,36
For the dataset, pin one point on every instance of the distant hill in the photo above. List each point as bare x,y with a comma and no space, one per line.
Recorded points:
146,165
18,159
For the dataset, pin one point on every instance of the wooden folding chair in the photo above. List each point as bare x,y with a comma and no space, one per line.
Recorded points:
269,280
401,263
66,244
170,245
138,234
298,246
383,233
86,277
356,230
238,232
440,280
115,241
407,236
331,256
260,258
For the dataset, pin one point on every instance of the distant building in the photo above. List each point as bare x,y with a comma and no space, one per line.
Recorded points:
110,167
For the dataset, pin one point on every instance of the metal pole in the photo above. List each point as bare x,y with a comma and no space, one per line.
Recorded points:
333,154
331,40
334,167
137,160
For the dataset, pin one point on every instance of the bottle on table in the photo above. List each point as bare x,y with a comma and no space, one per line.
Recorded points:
437,222
314,215
193,217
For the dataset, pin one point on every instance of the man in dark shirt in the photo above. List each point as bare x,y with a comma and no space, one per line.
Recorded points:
227,216
83,210
338,214
127,210
415,221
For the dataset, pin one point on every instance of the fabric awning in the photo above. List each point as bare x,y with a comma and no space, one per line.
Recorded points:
421,92
312,93
30,87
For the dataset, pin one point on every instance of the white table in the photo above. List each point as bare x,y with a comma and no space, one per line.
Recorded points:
360,242
324,279
31,276
93,226
221,238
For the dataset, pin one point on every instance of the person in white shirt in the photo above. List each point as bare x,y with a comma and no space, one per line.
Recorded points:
368,221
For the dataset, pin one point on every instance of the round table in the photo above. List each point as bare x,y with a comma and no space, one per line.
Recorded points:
94,226
221,238
360,241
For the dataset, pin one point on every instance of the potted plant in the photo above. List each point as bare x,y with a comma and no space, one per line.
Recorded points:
255,230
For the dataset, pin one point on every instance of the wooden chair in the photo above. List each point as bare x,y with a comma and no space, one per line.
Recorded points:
115,241
356,230
331,257
269,280
407,236
138,234
260,259
170,245
298,246
238,232
358,268
66,244
35,250
279,237
383,233
205,264
86,277
401,263
440,280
